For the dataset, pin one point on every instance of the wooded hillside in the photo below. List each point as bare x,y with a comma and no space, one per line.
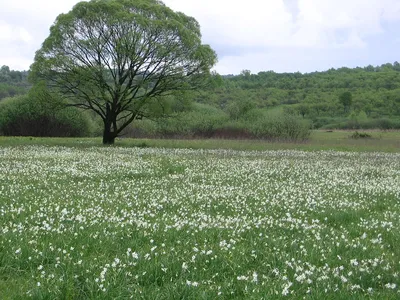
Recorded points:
374,91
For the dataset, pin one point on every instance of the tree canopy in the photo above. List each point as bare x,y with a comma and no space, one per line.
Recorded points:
118,57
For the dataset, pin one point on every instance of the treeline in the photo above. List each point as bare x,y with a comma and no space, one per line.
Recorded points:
375,93
266,105
13,82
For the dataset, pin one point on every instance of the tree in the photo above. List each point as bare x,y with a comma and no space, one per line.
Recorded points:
239,107
4,74
119,57
346,99
303,109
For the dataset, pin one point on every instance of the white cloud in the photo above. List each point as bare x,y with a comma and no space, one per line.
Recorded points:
263,31
23,27
14,33
273,23
253,33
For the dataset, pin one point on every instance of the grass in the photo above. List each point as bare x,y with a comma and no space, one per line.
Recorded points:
380,141
88,222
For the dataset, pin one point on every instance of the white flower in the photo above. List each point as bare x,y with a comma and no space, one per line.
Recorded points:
286,290
354,262
255,277
390,285
192,283
242,277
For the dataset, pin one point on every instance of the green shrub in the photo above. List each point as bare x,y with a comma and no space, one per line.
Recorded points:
360,135
205,121
201,121
326,122
30,115
277,126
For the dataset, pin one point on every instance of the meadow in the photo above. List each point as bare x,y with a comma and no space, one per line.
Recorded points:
340,140
156,223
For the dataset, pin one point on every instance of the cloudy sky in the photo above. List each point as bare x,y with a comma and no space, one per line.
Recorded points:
258,35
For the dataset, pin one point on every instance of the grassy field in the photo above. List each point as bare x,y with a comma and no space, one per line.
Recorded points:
380,141
155,223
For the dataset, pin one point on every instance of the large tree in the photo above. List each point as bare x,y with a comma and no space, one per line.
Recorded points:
116,56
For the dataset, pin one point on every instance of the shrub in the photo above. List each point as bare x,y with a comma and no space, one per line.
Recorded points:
201,121
31,116
209,122
278,126
360,135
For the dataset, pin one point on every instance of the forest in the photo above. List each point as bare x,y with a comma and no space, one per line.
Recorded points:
263,105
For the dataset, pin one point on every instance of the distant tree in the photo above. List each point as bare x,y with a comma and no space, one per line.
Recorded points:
370,68
120,57
396,66
238,108
4,74
245,73
346,99
303,109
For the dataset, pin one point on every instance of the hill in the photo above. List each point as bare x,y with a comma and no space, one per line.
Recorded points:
375,91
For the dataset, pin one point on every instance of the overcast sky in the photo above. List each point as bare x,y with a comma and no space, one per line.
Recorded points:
259,35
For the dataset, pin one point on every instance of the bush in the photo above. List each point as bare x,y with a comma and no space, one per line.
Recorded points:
205,121
31,116
360,135
326,122
278,126
201,121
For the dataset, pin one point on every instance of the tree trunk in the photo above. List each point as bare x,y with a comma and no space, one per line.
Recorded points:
108,135
108,138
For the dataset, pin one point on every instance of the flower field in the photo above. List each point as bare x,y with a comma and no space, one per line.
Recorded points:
147,223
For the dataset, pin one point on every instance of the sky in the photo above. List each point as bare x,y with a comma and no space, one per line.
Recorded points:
255,35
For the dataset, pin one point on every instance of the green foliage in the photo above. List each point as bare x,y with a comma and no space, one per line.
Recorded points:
209,122
12,83
346,99
238,108
34,115
315,96
280,126
202,120
359,116
12,76
303,109
9,90
360,135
